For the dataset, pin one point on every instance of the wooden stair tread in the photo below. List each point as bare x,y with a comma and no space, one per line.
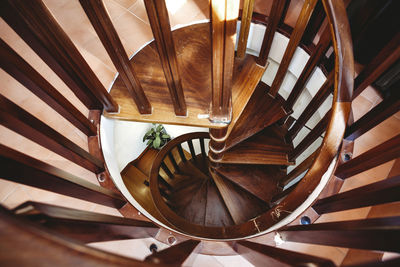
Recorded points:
266,147
217,213
182,197
134,181
259,180
238,201
195,212
261,111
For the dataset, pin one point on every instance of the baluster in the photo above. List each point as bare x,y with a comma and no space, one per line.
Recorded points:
386,57
302,167
22,122
174,255
293,43
312,107
284,193
98,16
174,163
315,23
381,234
312,136
275,15
263,255
376,156
159,22
34,23
381,192
164,183
223,37
191,148
375,116
167,170
84,225
18,68
203,148
20,168
315,57
180,150
247,13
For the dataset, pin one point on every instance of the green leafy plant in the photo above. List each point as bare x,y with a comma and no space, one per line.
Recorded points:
156,136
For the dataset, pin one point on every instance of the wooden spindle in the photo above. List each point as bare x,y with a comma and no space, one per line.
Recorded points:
284,193
376,156
302,167
191,148
159,22
165,168
36,25
381,234
223,37
98,16
247,14
181,154
83,225
274,18
174,255
312,136
203,148
164,184
18,68
263,255
295,38
314,25
22,122
386,57
375,116
20,168
173,161
381,192
312,107
315,57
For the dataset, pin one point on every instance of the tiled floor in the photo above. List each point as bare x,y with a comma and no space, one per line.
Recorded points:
130,20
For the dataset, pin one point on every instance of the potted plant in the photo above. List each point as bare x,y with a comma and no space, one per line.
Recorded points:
157,136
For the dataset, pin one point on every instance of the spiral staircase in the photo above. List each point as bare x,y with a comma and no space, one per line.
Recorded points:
274,162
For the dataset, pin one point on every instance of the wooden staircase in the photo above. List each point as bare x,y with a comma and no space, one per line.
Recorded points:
249,189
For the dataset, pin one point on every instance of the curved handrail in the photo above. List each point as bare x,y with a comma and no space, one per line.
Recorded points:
343,85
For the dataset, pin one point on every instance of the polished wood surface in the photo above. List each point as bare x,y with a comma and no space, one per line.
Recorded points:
381,192
376,156
261,111
22,122
217,213
36,25
247,14
379,64
223,19
263,255
159,22
192,46
195,211
83,225
18,68
314,24
20,168
101,22
375,116
174,255
294,40
374,234
277,11
259,180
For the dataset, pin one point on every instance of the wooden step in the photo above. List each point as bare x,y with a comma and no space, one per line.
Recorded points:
195,212
242,205
246,76
259,180
217,214
261,111
267,147
182,197
134,181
